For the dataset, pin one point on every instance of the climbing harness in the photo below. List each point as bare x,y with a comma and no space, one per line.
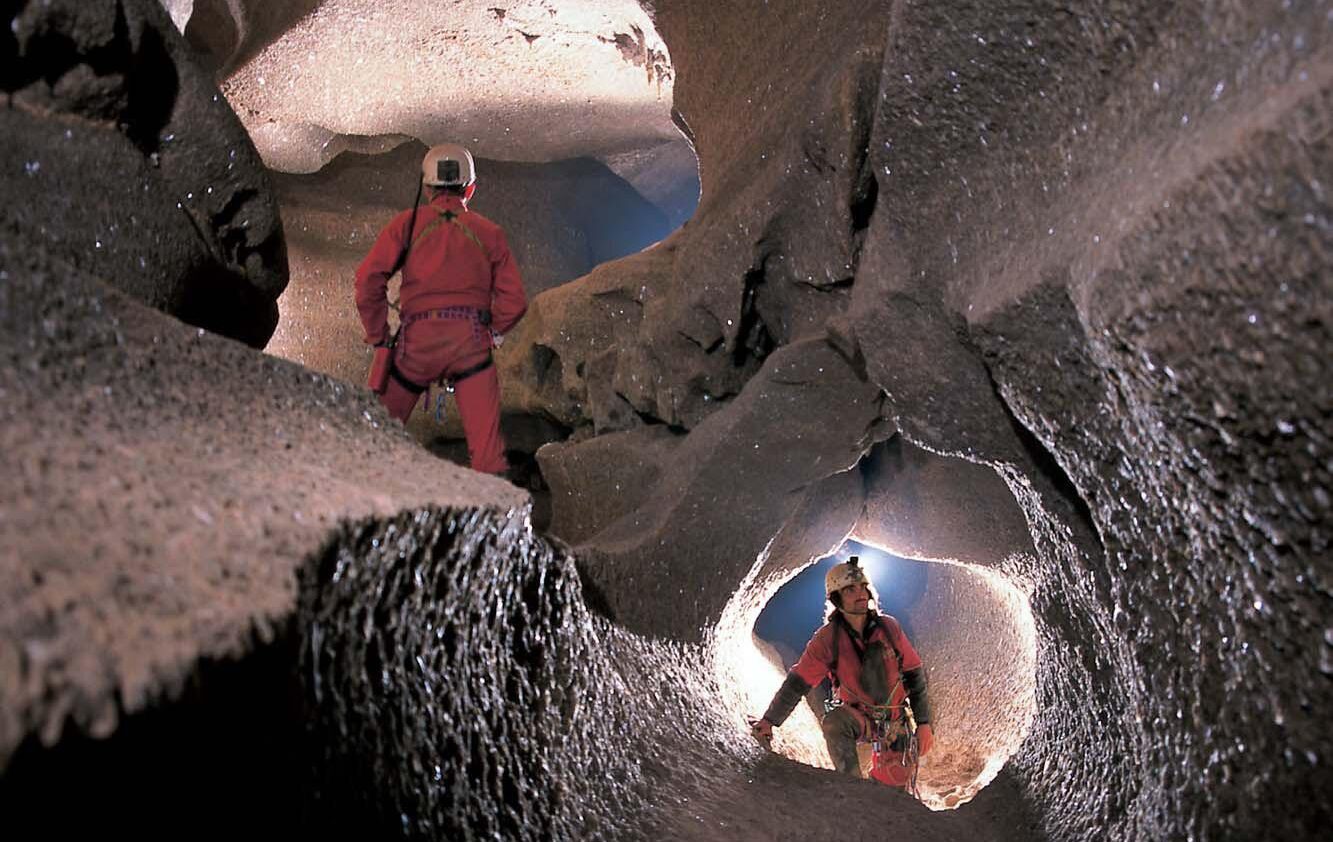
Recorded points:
448,384
480,317
481,320
892,728
834,701
383,364
888,726
894,732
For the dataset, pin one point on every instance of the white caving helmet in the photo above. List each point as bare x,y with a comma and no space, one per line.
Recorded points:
841,575
448,165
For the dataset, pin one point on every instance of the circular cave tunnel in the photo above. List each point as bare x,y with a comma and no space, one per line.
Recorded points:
937,538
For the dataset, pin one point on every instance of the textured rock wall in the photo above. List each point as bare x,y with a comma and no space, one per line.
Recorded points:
921,505
132,167
975,632
1109,248
450,679
526,80
167,484
463,690
770,253
1094,256
1083,246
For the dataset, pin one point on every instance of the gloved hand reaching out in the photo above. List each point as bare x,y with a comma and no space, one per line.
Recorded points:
762,730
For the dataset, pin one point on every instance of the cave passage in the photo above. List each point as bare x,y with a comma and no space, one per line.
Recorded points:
567,108
972,626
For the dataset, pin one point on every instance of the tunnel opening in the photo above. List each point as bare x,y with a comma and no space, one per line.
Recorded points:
976,637
562,220
961,603
799,607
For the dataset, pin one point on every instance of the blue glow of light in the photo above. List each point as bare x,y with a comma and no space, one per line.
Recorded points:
798,608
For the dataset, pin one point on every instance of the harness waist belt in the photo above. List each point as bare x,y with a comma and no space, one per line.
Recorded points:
482,316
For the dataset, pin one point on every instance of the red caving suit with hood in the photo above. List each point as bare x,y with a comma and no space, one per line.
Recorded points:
459,265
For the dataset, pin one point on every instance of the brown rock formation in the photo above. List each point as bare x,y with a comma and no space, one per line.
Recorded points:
526,81
176,480
1065,268
134,168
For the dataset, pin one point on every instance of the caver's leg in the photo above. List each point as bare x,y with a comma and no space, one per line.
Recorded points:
479,409
840,732
399,400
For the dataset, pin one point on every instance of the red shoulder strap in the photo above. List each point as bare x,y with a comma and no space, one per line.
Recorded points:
833,663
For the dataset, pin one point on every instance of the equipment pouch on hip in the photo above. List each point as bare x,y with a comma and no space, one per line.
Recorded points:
380,364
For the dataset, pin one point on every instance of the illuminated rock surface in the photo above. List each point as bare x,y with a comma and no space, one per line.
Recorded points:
1082,248
530,80
121,157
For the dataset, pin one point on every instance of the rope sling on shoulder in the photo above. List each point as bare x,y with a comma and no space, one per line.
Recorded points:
452,218
381,364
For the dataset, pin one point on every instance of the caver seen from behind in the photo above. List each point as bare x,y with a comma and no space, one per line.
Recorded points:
461,293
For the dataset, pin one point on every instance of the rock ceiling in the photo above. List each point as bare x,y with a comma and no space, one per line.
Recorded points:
530,80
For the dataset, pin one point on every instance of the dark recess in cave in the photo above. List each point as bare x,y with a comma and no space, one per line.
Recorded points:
220,762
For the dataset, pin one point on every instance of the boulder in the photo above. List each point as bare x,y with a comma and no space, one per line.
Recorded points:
133,168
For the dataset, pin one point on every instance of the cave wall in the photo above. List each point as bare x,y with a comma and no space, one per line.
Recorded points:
1084,246
974,630
1108,262
182,502
134,168
922,505
167,484
1095,258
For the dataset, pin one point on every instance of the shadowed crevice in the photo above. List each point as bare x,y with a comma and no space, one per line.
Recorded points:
754,342
133,86
232,737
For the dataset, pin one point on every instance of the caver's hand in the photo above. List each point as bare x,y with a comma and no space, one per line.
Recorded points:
762,730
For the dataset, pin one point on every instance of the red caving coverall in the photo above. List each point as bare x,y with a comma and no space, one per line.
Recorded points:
885,631
458,269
